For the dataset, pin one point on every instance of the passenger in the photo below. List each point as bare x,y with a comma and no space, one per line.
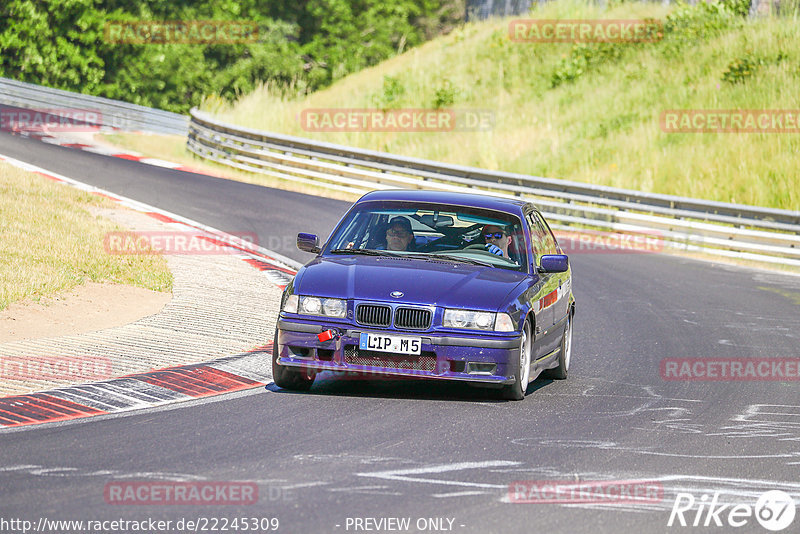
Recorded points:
497,240
399,235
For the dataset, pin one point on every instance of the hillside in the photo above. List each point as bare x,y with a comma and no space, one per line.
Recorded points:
585,112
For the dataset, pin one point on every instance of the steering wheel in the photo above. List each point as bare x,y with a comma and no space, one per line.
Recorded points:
478,246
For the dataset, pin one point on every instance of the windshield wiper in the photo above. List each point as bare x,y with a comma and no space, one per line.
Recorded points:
362,251
422,256
450,257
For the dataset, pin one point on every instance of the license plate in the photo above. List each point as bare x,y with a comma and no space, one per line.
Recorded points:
395,344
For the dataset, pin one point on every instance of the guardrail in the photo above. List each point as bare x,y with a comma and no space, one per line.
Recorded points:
734,230
112,114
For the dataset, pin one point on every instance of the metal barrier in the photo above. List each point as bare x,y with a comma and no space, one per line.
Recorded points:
734,230
113,114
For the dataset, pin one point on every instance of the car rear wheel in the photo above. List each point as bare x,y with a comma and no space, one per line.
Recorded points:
288,377
560,372
522,373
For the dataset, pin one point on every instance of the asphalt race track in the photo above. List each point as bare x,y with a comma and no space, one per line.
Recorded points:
351,450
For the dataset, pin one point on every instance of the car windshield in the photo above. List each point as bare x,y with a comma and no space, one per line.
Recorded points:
439,232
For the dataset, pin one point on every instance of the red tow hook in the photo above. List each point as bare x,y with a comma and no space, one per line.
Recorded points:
327,335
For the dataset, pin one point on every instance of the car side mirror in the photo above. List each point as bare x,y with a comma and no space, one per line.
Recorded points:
308,243
553,263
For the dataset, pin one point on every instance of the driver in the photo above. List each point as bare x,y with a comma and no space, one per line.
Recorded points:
497,240
399,235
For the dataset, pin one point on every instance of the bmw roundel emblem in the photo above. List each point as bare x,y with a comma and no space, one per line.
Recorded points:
396,294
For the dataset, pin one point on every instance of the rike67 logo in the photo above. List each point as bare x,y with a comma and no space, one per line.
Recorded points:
774,511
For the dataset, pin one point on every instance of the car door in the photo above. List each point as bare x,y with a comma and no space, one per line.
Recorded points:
539,289
544,243
561,306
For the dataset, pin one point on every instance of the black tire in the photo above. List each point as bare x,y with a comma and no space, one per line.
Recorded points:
564,355
288,377
516,391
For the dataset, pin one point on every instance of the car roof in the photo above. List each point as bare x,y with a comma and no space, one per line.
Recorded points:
446,197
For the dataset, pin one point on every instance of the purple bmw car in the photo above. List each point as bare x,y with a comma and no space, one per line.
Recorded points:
436,285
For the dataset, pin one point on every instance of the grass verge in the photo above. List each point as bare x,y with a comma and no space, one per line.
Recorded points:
50,242
585,112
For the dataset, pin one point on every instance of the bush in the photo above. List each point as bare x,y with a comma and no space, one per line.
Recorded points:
445,95
391,93
685,26
52,43
584,57
302,46
740,69
688,25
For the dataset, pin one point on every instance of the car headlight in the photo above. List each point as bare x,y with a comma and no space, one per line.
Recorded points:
334,307
321,306
471,320
310,306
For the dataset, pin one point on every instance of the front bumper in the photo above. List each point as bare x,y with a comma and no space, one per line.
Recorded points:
444,357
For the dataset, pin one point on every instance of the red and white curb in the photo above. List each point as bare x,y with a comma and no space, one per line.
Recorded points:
164,386
141,390
105,151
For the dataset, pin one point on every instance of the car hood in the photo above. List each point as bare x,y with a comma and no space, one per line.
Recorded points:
440,283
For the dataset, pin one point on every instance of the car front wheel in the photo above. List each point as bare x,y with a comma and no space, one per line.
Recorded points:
522,372
288,377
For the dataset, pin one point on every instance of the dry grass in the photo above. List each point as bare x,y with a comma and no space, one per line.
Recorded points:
50,242
601,129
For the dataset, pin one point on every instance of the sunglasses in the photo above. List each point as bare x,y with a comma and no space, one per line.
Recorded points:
391,233
496,235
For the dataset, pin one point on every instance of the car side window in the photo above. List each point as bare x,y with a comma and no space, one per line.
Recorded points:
549,239
542,242
551,236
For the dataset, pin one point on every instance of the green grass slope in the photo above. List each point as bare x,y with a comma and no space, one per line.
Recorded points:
586,112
